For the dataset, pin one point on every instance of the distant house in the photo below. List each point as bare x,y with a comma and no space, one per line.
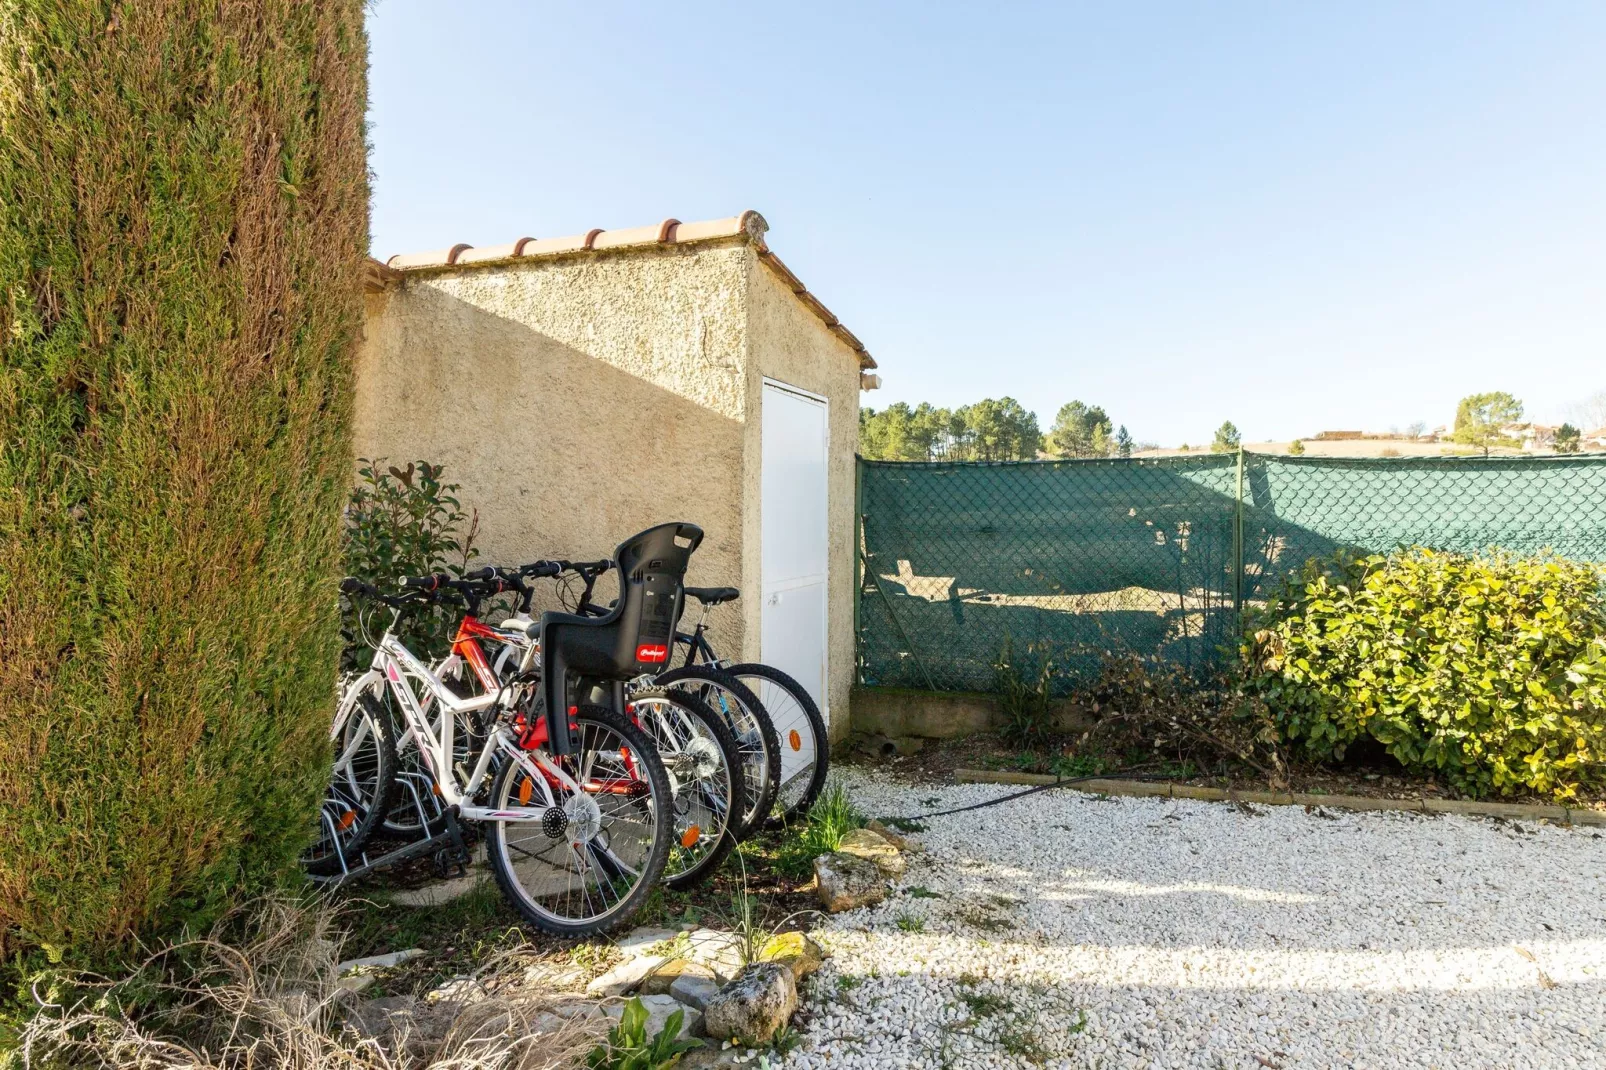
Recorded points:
1437,434
1531,436
1593,440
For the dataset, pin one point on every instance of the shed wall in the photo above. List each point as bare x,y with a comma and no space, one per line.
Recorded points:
567,429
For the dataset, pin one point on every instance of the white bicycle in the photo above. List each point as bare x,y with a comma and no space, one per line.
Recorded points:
575,840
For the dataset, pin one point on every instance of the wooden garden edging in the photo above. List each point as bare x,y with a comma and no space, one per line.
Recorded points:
1556,815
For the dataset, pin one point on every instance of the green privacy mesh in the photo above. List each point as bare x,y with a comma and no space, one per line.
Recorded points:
1074,558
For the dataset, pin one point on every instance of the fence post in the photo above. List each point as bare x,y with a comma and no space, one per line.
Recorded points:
858,567
1238,542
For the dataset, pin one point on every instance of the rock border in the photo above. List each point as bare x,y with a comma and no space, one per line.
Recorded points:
1556,815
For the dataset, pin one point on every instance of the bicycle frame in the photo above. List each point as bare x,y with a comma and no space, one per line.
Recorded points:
397,666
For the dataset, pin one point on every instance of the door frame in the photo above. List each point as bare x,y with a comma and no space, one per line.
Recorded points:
825,602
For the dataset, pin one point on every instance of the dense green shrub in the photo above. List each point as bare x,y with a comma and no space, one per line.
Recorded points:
1488,671
404,522
183,224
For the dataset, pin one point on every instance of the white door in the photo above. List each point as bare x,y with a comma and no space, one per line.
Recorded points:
793,533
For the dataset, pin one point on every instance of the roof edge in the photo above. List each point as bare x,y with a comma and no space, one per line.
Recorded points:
749,227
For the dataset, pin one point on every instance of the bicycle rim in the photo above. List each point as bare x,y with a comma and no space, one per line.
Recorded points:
360,783
757,745
588,863
805,750
705,779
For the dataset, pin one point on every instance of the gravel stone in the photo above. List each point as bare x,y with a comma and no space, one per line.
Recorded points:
1067,930
847,882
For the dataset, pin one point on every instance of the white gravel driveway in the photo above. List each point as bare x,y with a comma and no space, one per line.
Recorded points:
1069,930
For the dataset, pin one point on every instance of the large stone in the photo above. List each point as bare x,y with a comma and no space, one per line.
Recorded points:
641,941
844,882
874,847
625,977
660,981
751,1008
794,951
719,951
659,1008
694,991
379,962
892,836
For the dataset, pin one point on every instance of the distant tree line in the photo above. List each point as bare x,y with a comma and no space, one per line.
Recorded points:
994,429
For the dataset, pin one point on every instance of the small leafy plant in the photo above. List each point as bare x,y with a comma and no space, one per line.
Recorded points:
404,522
629,1048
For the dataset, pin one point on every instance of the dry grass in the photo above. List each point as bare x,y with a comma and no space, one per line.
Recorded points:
260,992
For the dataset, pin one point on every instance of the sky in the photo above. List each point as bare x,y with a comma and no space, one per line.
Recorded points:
1296,217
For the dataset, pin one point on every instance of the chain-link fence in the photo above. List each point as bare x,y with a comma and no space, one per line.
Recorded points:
1075,558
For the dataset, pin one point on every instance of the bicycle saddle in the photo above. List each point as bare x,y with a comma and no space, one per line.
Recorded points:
713,596
633,637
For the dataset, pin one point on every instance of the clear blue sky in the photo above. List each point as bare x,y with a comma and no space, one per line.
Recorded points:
1295,216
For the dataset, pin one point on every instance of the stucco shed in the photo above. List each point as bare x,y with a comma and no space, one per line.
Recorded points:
583,388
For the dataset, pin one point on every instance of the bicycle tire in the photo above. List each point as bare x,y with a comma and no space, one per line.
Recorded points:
359,795
700,767
794,724
754,731
652,808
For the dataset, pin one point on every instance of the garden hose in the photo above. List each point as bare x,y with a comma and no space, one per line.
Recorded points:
1130,774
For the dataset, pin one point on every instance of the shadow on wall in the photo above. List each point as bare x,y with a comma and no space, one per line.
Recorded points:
1081,557
560,453
1077,558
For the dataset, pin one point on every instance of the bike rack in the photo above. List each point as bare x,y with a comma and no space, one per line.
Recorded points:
447,844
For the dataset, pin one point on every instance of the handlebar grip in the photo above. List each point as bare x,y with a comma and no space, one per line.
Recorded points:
489,572
352,585
541,568
425,583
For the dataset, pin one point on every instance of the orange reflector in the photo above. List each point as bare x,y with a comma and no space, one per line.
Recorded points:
526,786
348,819
795,740
690,836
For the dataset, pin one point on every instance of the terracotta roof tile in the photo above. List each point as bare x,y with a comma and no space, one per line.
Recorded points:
749,226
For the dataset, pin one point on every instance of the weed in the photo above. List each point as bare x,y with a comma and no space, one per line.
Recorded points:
831,818
786,1040
1024,692
910,924
920,892
846,983
628,1047
985,1004
1019,1039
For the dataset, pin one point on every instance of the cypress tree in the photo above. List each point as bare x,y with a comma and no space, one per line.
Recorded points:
183,221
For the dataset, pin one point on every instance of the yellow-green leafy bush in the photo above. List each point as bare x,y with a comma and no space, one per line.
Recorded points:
183,222
1487,671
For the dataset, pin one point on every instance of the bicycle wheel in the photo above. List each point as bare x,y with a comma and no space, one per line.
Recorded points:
604,834
756,741
705,778
360,789
805,749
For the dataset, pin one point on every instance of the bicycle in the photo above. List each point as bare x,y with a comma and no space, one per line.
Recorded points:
698,749
578,813
805,747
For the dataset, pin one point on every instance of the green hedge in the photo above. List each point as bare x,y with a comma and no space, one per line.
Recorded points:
183,221
1490,672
